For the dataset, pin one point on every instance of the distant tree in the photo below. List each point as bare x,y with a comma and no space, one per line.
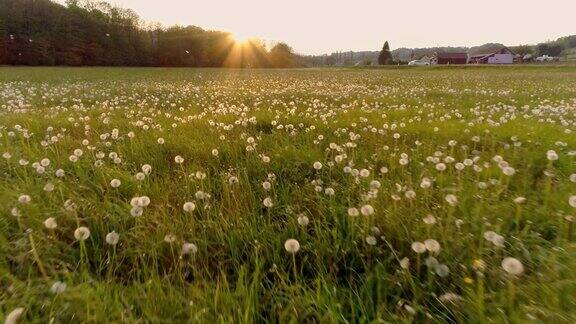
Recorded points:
385,57
550,49
281,56
523,49
96,33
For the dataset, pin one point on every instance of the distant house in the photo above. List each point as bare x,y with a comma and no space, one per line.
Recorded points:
501,55
451,58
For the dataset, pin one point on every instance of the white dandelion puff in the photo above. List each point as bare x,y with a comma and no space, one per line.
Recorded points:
292,246
512,266
112,238
82,233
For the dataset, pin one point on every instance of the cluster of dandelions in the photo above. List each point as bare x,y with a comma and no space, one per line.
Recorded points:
404,176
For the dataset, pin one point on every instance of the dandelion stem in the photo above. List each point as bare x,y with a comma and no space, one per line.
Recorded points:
37,257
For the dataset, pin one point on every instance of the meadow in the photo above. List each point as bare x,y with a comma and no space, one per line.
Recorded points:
428,195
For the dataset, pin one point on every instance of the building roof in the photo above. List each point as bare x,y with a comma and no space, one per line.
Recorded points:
452,55
485,52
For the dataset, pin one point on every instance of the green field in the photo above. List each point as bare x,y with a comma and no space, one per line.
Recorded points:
432,195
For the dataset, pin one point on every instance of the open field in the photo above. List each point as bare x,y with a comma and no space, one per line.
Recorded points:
148,195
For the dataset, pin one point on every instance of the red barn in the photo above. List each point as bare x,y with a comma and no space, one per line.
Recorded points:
452,58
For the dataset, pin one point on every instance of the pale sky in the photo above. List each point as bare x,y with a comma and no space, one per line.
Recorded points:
324,26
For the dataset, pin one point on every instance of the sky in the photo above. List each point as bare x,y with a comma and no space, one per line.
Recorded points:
326,26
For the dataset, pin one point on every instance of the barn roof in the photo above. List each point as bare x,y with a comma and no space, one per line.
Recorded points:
481,53
452,55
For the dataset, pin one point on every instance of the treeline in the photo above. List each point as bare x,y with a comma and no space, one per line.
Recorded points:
95,33
558,48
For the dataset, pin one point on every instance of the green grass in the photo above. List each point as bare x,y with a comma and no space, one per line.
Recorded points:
348,267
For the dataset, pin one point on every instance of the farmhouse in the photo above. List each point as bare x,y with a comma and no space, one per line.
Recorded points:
501,55
451,58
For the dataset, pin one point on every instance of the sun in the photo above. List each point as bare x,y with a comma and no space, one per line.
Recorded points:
241,38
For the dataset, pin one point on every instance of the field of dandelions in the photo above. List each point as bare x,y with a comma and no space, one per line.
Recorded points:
438,195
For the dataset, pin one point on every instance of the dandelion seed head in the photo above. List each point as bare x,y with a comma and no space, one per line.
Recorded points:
50,223
112,238
512,266
292,246
82,233
189,248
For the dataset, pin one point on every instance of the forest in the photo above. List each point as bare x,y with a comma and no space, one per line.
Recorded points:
91,33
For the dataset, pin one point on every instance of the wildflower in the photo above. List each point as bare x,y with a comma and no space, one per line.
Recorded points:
367,210
292,246
512,266
519,200
112,238
352,211
371,240
48,187
58,287
189,206
317,165
429,220
14,316
82,233
425,183
233,180
572,201
405,263
268,202
418,247
69,205
50,223
140,176
478,265
169,238
509,171
136,211
432,245
266,185
178,159
440,166
146,168
215,152
495,238
24,199
442,270
451,199
551,155
115,183
303,220
189,248
410,194
59,173
15,212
